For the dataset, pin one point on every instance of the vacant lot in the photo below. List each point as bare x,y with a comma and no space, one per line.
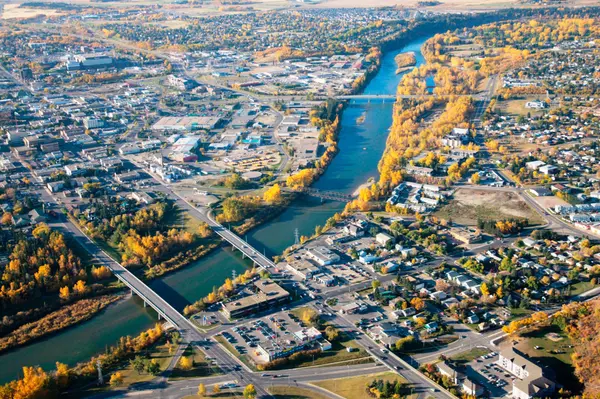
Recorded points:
469,205
355,387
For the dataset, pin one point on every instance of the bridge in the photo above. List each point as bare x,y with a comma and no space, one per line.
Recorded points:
150,298
385,97
328,195
260,260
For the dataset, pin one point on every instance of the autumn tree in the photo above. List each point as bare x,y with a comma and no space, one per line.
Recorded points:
201,390
116,380
273,194
332,333
186,363
249,392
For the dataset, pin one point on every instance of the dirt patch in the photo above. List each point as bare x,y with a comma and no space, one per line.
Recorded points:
469,205
550,201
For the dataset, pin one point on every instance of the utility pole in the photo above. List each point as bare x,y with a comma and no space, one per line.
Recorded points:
100,377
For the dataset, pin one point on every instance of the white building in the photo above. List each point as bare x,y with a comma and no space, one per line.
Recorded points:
532,380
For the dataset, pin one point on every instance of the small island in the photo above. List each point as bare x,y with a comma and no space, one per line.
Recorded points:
404,61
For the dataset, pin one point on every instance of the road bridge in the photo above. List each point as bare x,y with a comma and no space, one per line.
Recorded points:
408,96
188,331
260,260
328,195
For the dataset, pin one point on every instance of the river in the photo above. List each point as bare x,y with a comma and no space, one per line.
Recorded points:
361,146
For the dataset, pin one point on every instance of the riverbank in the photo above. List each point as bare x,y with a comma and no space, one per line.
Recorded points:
52,323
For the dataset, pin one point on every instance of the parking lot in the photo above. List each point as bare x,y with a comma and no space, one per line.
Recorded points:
274,330
494,378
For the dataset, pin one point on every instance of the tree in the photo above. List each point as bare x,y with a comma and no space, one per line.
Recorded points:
186,363
249,392
138,364
64,293
273,194
310,316
375,284
485,291
475,178
6,219
417,303
116,379
153,367
332,333
201,390
62,375
216,389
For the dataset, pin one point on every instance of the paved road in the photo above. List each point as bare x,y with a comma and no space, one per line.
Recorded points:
297,377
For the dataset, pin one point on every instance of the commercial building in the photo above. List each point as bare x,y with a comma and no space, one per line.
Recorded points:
323,255
268,294
532,380
186,123
299,340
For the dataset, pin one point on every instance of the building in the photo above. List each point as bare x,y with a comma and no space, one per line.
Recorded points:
92,123
89,61
532,380
303,268
323,255
181,83
186,123
466,235
450,371
276,349
268,294
472,388
384,239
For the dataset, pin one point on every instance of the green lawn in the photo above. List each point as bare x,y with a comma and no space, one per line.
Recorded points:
355,387
581,287
282,392
201,367
469,356
519,313
338,353
160,353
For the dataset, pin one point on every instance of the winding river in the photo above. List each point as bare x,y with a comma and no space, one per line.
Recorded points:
361,146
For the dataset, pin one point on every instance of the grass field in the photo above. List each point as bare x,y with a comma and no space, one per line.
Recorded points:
294,393
469,356
160,353
470,205
201,367
355,387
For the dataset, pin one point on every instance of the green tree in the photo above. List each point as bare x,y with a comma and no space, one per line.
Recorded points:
138,364
153,367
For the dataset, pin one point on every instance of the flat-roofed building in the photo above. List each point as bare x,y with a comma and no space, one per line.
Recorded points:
268,294
323,255
186,123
